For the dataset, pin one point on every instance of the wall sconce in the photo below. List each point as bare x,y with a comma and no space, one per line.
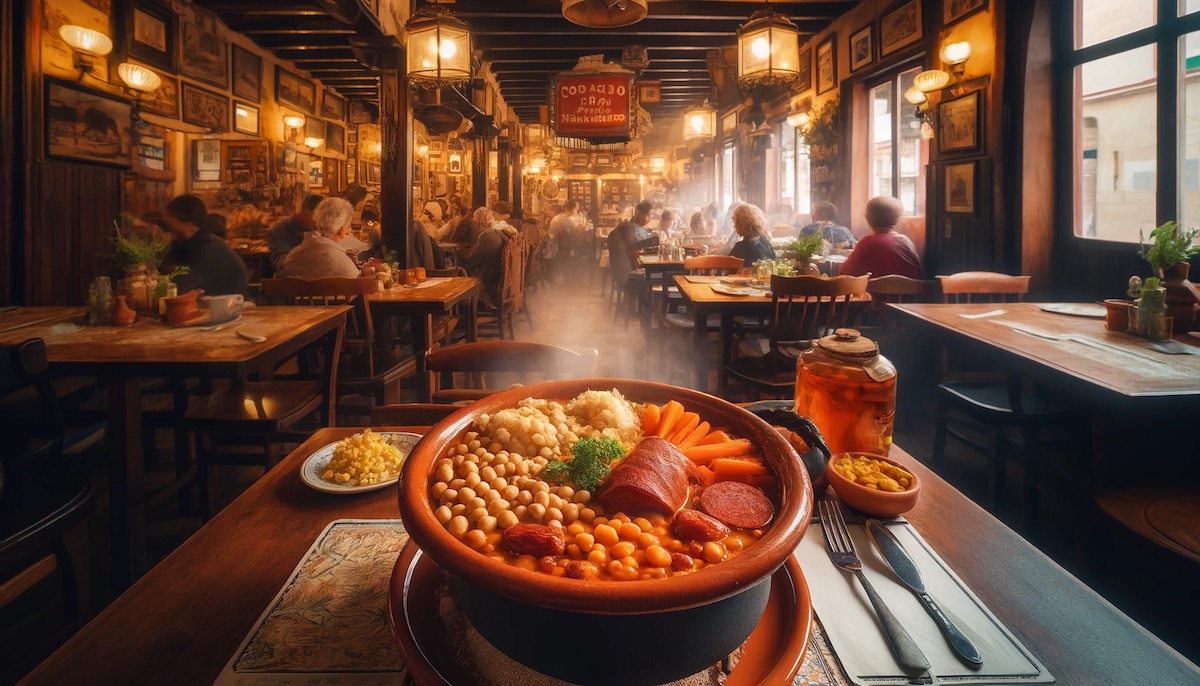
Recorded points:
915,96
439,48
314,142
700,123
85,44
139,78
799,120
956,55
292,123
423,150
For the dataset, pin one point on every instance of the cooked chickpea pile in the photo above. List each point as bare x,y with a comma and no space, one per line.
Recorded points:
362,459
480,488
872,473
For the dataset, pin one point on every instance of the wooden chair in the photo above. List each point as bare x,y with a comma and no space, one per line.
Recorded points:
482,358
364,369
802,308
44,501
245,422
700,265
993,403
412,414
445,327
1165,514
500,320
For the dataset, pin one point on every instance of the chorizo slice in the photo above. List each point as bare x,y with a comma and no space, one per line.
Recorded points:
652,478
736,504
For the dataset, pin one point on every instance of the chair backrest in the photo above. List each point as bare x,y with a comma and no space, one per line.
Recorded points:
22,370
807,307
694,249
504,356
333,290
512,274
715,265
983,287
411,414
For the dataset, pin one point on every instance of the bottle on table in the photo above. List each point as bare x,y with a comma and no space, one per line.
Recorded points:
848,390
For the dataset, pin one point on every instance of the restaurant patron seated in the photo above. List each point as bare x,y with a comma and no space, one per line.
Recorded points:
288,233
319,255
212,265
886,251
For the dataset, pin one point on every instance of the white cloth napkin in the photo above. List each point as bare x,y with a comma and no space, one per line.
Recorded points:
857,637
430,282
984,315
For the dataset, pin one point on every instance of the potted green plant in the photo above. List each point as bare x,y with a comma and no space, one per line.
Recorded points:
139,253
1168,252
803,249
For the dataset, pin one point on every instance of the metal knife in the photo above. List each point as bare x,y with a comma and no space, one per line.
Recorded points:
906,570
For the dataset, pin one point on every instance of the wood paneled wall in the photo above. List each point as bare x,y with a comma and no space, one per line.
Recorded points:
10,80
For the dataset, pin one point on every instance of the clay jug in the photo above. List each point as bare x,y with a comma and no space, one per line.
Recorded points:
121,313
181,308
1182,295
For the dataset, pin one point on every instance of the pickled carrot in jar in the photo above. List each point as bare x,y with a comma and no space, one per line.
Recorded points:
848,390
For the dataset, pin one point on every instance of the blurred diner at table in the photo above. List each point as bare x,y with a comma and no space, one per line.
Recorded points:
319,255
750,224
289,232
886,251
211,264
824,215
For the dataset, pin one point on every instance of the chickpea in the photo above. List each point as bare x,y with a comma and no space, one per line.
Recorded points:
537,511
554,524
570,512
597,557
445,473
658,556
542,487
574,552
465,494
654,573
600,520
458,509
475,538
575,529
490,495
473,445
486,524
497,506
448,496
457,483
437,488
542,498
469,466
501,469
554,501
587,514
510,492
643,523
506,519
488,473
629,563
657,520
733,544
443,515
472,480
584,540
714,552
622,549
520,511
554,514
622,517
528,562
458,459
477,514
475,502
606,535
566,493
458,527
582,497
646,540
629,532
524,498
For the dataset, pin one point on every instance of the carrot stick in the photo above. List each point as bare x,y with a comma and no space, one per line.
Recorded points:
726,466
693,438
703,454
651,419
686,424
705,475
671,413
717,436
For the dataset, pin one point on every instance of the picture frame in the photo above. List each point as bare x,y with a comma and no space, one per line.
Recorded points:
804,80
862,48
149,33
959,124
900,27
314,128
960,188
361,112
374,174
206,160
292,90
454,164
205,56
603,161
335,138
302,159
203,107
316,172
439,183
649,92
84,125
247,75
245,118
953,10
333,106
827,64
164,100
436,145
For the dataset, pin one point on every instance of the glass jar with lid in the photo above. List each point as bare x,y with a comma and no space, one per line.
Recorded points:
848,390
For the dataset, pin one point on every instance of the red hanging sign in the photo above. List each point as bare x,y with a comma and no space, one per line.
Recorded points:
593,106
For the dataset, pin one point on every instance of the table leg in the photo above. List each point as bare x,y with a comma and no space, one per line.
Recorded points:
422,332
700,345
472,321
125,480
726,337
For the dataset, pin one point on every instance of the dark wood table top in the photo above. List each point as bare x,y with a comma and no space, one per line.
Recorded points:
1113,367
183,620
439,297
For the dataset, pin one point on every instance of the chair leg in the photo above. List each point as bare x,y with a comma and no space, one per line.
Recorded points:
939,434
996,468
75,547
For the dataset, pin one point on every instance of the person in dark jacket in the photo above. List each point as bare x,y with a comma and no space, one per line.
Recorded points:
750,223
288,233
212,265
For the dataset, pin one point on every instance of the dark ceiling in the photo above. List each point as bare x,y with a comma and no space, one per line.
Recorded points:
524,41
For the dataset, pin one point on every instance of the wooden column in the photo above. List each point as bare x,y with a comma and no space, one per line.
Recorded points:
396,125
479,172
504,168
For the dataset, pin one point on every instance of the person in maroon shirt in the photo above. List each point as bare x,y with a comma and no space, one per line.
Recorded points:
885,251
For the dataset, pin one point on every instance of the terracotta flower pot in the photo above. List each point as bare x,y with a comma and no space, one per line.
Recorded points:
1117,314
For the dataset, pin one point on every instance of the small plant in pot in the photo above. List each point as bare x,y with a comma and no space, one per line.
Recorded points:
803,250
1168,252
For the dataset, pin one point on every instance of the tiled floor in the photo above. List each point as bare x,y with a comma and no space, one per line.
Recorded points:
1149,584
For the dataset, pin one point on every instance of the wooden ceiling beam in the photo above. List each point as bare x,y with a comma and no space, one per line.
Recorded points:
591,42
680,9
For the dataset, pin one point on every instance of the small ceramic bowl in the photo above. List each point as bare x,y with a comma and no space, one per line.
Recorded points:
870,500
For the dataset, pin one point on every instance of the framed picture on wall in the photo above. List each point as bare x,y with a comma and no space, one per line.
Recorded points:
455,163
959,124
862,48
206,160
291,90
165,100
804,80
247,75
87,126
374,174
205,56
245,118
650,91
826,65
205,108
335,137
953,10
316,172
900,27
333,106
148,33
960,188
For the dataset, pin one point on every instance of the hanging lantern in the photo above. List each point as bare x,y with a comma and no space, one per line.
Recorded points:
700,123
604,14
768,50
439,48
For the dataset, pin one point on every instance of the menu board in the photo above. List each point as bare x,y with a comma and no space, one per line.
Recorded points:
582,191
593,106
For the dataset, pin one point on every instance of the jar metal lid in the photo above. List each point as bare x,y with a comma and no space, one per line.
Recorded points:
848,343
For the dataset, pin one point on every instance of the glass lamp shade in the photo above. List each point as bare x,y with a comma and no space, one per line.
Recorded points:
293,121
956,53
439,47
914,96
604,14
699,123
87,41
139,78
932,80
768,50
314,142
798,120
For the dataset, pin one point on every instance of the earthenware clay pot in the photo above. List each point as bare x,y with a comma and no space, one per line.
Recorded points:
1116,316
1182,295
607,632
181,308
121,314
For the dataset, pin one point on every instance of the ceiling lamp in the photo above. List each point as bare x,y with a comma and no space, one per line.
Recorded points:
768,50
293,121
700,123
85,44
931,80
439,48
604,14
138,77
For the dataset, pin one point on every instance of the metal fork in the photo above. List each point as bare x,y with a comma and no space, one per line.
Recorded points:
841,552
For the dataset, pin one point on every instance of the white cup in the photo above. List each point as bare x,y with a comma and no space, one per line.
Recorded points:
223,307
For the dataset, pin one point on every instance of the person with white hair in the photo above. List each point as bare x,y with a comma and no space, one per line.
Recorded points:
319,255
750,223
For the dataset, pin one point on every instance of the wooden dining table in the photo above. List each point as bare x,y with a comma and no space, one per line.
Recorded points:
1113,370
183,621
124,356
420,304
657,268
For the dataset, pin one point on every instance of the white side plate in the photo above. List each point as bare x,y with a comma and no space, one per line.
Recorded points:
1089,310
318,462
